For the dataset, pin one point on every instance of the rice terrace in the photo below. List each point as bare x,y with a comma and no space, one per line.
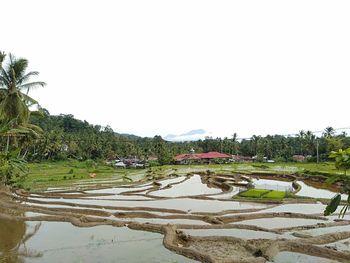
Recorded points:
192,213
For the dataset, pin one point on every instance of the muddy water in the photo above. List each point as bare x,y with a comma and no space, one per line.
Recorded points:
310,191
192,186
273,185
343,245
116,190
171,181
62,242
298,208
167,221
11,235
184,204
291,257
228,195
321,231
272,223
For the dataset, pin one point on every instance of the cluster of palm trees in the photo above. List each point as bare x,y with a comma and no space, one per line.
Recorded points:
15,103
16,107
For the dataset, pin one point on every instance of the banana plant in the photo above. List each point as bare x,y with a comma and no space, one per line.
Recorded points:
342,161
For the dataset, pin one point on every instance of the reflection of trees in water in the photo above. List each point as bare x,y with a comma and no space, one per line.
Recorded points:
12,241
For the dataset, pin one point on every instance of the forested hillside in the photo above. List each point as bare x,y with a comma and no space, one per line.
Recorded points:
66,137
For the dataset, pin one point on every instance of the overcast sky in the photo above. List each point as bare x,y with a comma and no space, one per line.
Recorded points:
160,67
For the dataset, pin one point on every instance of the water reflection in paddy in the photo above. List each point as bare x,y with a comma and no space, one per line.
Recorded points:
240,233
165,221
119,197
62,242
184,204
310,191
278,222
327,230
298,208
292,257
342,245
118,190
192,186
171,181
228,195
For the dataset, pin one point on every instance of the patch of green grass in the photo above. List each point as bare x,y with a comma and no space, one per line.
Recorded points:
263,193
262,166
54,174
254,193
275,195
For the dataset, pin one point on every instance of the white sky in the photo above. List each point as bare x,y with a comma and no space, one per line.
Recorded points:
160,67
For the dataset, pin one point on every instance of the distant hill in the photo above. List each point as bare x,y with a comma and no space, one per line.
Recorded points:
193,135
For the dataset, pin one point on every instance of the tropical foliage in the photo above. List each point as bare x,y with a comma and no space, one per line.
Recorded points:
65,137
16,108
342,159
342,162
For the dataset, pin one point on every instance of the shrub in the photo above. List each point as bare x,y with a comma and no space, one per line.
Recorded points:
153,163
12,170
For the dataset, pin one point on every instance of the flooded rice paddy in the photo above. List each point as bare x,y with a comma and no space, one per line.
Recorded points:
189,218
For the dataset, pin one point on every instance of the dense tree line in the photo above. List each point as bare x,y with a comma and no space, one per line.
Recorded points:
66,137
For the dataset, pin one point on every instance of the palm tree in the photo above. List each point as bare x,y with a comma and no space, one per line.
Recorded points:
328,132
14,103
234,142
310,143
2,58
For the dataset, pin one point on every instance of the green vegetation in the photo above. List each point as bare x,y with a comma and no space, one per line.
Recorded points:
275,195
342,159
64,173
333,205
254,193
16,131
342,162
12,170
263,193
65,137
